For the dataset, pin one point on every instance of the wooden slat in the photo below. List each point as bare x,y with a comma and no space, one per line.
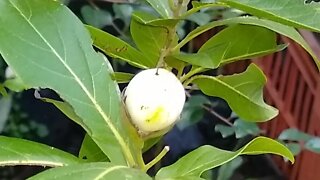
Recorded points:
290,88
296,109
293,86
305,115
300,58
285,75
276,70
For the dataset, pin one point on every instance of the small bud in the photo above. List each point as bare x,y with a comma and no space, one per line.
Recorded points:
154,99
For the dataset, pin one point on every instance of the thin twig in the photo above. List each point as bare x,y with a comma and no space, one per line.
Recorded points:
211,111
217,115
93,4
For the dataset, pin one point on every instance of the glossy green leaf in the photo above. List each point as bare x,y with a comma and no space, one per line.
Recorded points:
224,130
208,157
122,77
15,84
226,171
294,134
90,151
242,41
151,35
96,17
149,143
274,26
123,12
295,148
243,92
313,145
5,108
117,48
243,128
3,90
14,151
200,18
96,171
151,20
66,109
291,12
196,6
240,128
192,111
53,50
162,7
226,47
174,62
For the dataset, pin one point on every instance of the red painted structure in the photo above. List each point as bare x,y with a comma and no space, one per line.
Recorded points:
294,88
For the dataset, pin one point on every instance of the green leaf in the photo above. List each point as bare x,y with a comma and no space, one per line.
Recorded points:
123,12
151,20
240,42
90,151
243,128
149,143
226,47
98,170
199,18
5,108
243,92
224,130
151,34
52,42
122,77
3,91
117,48
96,17
14,151
294,134
226,171
208,157
162,7
295,148
274,26
290,12
15,84
192,111
66,109
196,6
313,145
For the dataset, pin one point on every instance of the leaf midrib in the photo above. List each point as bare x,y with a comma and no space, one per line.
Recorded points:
105,172
230,87
267,11
98,107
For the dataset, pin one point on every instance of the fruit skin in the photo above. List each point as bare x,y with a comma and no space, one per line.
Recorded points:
154,100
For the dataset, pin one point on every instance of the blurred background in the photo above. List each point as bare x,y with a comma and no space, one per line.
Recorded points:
293,87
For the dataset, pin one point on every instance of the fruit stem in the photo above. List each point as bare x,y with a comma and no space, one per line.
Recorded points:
191,73
157,159
167,48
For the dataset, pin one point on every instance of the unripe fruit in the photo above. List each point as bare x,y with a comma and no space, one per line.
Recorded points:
154,99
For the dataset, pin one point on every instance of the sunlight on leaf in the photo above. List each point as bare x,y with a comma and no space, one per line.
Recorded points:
54,50
243,92
16,151
208,157
95,171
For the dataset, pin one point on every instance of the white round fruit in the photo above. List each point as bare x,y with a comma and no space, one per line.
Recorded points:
154,99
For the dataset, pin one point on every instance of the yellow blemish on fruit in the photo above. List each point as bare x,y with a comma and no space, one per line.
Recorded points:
156,115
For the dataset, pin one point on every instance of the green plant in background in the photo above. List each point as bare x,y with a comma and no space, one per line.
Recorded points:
13,120
48,47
